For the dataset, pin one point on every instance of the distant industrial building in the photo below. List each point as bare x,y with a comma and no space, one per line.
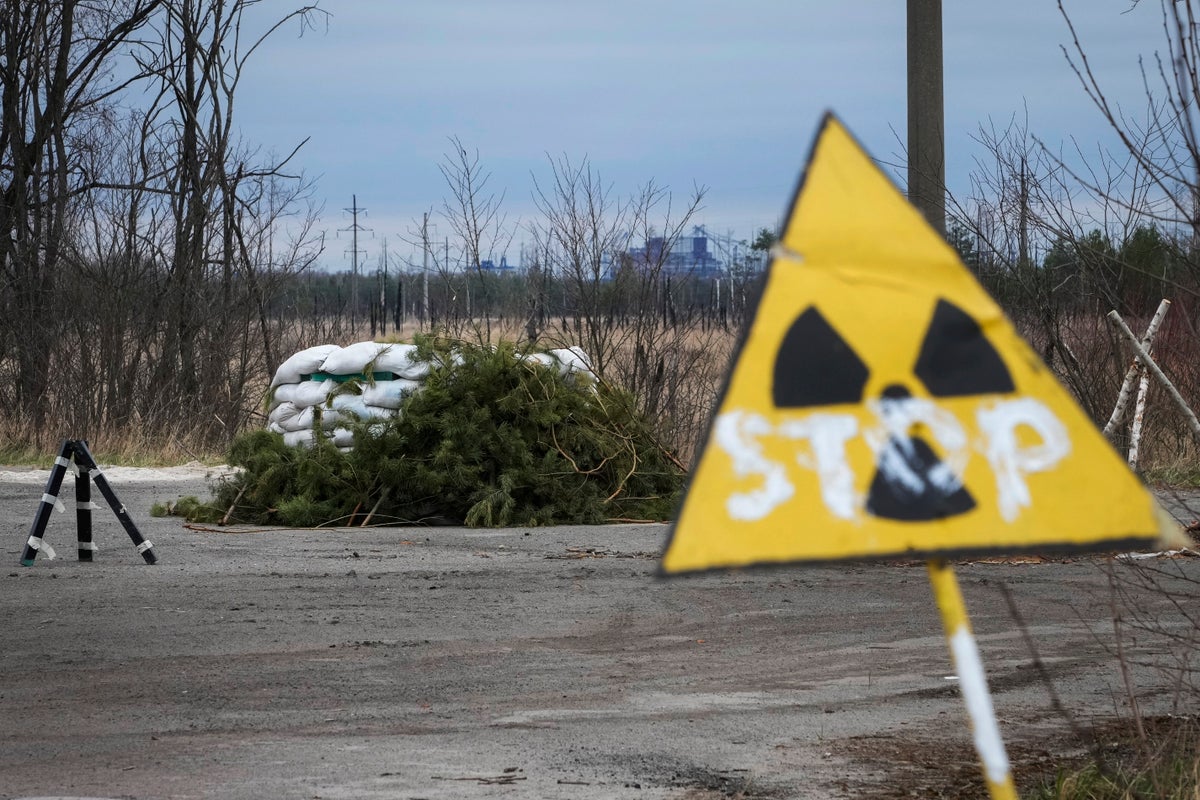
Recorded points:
691,255
488,265
698,255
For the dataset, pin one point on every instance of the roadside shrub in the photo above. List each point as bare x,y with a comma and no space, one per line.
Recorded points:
490,440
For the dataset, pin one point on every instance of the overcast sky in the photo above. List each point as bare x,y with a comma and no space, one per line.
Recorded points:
725,95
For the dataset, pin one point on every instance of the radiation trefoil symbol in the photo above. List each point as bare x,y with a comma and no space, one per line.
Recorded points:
917,431
817,367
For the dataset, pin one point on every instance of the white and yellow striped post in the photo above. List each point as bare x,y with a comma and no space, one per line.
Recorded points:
972,681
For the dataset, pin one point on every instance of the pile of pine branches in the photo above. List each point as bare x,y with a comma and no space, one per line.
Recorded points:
491,439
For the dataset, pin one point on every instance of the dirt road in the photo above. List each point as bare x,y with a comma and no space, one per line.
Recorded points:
548,663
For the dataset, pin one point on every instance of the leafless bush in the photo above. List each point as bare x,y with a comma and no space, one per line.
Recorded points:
638,315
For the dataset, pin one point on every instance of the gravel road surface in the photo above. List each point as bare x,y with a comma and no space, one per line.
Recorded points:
541,663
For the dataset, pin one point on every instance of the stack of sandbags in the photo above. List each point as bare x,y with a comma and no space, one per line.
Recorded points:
325,388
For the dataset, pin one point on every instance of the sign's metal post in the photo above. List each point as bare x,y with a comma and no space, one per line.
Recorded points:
972,681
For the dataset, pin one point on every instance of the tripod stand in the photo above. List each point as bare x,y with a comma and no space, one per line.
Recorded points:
75,451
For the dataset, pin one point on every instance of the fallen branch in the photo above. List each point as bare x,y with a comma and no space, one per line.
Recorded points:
1139,417
236,500
487,780
382,496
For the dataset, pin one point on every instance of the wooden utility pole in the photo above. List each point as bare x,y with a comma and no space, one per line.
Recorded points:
926,125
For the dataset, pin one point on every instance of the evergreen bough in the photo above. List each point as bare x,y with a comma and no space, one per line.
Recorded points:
490,440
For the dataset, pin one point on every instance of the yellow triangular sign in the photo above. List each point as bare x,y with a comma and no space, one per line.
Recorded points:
881,405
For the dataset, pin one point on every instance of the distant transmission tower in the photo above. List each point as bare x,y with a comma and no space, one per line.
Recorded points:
354,253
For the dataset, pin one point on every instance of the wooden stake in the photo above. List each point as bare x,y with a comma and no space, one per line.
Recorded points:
972,682
1139,416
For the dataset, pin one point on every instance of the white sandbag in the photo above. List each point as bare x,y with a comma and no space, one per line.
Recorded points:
342,437
312,393
347,409
306,419
352,359
332,418
301,421
283,393
391,357
346,401
299,438
400,360
545,359
573,359
284,415
388,394
305,362
353,405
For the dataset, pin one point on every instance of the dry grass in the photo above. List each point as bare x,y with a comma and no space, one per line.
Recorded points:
26,444
1165,764
676,373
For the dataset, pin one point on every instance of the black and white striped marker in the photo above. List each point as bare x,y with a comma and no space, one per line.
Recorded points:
75,454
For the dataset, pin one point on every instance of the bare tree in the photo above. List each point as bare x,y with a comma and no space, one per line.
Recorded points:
481,232
54,85
1163,139
1063,234
622,293
214,185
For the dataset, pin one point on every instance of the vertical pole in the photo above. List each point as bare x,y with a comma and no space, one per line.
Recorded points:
398,309
926,125
353,262
83,456
49,503
425,268
354,229
1139,416
972,682
383,293
83,513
